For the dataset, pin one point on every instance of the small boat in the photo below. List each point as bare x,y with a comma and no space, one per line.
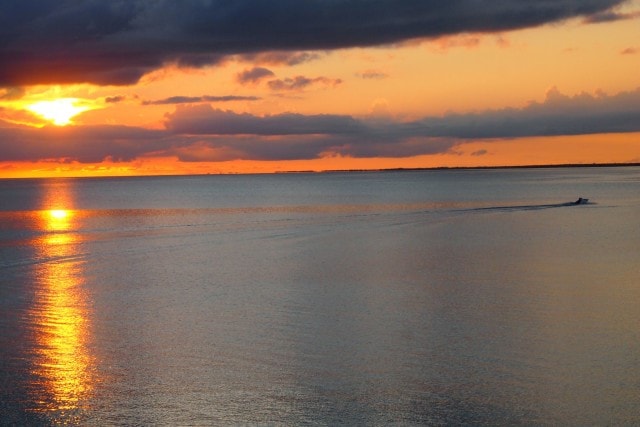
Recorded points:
581,201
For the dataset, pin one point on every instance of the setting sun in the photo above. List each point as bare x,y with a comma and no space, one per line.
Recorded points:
59,111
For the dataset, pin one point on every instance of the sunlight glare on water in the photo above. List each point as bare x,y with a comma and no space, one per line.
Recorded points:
59,316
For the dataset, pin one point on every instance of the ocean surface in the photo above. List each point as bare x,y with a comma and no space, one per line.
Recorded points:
409,297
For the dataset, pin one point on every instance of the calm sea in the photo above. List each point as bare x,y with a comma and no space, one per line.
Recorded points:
426,297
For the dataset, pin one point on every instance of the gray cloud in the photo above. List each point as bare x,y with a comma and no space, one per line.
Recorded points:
254,75
205,120
86,144
200,99
118,41
557,115
279,57
298,83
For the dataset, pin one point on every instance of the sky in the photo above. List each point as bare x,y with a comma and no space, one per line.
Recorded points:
149,87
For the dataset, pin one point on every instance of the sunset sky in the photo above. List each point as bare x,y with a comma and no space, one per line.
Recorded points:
115,87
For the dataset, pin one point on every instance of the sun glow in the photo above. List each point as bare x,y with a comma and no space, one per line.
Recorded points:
59,111
59,213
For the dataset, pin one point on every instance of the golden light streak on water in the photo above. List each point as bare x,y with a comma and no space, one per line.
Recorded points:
60,315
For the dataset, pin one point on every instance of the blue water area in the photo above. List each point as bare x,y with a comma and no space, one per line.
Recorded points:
409,297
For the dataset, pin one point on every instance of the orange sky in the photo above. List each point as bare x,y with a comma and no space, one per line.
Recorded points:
561,92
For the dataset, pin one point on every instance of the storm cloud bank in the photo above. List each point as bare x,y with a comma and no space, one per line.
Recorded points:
118,41
200,132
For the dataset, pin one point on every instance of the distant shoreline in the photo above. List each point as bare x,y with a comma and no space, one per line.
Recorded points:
328,171
436,168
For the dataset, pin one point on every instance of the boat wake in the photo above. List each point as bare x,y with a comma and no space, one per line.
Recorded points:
580,201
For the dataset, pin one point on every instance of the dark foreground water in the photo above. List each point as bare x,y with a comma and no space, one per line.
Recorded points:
437,297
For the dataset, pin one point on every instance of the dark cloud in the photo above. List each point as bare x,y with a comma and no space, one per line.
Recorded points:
298,83
200,99
254,75
200,132
118,41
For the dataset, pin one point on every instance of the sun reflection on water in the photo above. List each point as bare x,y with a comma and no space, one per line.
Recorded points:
58,214
63,362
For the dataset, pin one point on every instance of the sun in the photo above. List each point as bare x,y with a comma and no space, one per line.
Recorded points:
59,111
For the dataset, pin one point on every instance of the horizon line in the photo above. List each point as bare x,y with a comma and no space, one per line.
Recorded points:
327,171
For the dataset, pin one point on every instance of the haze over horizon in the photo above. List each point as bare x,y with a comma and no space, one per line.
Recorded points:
102,88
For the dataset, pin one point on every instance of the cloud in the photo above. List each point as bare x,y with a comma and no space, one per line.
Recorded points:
254,75
480,153
558,115
117,42
610,16
629,51
115,99
10,117
468,41
200,132
299,83
88,144
11,93
205,120
372,74
199,99
279,57
303,148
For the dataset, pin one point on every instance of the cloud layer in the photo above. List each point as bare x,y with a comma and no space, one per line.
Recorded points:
118,41
201,133
197,99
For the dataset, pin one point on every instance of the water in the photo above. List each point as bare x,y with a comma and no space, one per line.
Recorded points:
434,297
